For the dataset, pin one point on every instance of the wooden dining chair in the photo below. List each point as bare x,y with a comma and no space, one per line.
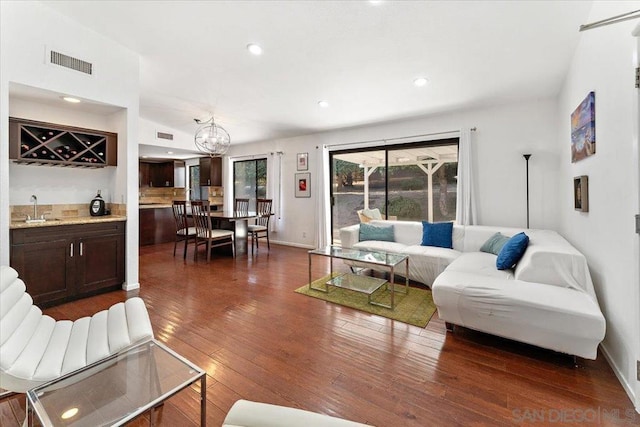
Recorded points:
183,231
242,205
261,227
205,234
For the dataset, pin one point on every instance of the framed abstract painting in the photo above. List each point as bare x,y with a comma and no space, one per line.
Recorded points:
583,129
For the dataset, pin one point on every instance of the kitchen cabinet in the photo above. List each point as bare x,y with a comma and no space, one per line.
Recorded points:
40,143
67,262
143,174
162,174
157,225
211,171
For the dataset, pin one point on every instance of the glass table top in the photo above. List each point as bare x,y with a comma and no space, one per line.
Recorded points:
352,254
114,390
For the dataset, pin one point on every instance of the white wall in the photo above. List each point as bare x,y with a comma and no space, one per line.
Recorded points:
147,135
27,29
604,62
503,134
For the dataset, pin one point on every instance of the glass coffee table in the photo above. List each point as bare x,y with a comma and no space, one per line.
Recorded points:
359,259
117,389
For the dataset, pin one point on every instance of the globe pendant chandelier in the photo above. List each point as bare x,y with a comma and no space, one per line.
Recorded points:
211,138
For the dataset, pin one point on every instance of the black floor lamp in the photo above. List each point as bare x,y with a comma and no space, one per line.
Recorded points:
526,157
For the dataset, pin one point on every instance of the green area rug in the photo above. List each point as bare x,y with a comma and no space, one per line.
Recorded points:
415,308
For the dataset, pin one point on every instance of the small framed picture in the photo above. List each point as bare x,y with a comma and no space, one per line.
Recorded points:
303,185
303,162
581,193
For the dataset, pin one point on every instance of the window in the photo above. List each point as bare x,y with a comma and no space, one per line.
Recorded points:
250,180
194,183
411,182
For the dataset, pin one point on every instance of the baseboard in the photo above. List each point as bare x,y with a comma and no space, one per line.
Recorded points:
296,245
131,286
616,370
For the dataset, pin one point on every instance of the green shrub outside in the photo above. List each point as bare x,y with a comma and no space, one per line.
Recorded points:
405,208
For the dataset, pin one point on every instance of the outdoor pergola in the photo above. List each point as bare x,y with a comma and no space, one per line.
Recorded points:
428,159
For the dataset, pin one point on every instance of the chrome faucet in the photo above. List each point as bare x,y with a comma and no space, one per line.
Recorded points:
34,199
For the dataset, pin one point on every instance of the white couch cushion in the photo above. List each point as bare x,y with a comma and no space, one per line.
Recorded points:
427,262
380,246
480,263
550,259
406,232
560,319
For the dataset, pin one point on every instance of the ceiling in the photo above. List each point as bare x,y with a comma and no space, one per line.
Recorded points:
359,56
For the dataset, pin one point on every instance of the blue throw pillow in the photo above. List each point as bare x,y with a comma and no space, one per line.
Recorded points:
512,251
494,244
437,234
376,232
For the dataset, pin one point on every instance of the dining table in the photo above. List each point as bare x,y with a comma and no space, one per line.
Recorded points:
238,222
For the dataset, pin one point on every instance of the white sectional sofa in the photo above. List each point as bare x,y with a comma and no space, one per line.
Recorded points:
548,300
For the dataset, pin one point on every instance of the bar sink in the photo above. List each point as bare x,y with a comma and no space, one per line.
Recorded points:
35,221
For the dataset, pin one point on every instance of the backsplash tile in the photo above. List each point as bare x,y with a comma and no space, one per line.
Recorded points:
62,211
161,194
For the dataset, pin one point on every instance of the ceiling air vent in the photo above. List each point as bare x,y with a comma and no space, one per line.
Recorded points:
164,135
70,62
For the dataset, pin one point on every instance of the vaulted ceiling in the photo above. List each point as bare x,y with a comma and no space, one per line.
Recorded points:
360,56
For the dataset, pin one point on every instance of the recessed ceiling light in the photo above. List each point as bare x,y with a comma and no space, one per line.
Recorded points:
323,104
420,81
169,152
254,49
71,99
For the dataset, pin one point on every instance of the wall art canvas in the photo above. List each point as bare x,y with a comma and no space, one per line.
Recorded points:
581,193
303,185
583,129
303,161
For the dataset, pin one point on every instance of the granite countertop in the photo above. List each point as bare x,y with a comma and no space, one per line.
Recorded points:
68,221
154,205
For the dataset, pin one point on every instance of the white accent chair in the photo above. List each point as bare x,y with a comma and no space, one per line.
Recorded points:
34,348
245,413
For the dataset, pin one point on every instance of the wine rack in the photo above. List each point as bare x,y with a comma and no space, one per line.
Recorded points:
48,144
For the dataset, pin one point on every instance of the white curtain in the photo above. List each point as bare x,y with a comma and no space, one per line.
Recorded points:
274,190
322,197
466,199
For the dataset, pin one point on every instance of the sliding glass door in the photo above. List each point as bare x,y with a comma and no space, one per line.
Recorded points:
250,180
410,182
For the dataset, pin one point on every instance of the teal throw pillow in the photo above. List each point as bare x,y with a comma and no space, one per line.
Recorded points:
437,234
512,251
494,244
376,232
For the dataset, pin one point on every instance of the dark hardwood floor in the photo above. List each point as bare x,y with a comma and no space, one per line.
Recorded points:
240,320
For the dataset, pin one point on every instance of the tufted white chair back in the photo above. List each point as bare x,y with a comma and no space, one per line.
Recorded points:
34,348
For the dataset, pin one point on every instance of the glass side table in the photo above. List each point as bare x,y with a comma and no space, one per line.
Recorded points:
117,389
